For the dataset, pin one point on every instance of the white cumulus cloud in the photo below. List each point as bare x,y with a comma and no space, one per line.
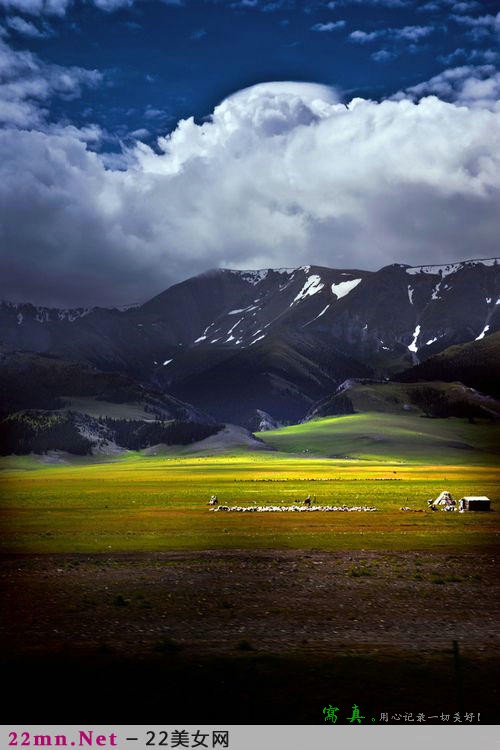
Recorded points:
403,33
282,174
472,85
329,26
60,7
37,7
27,28
27,83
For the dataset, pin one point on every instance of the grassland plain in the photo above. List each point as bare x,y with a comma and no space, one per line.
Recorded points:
158,505
116,575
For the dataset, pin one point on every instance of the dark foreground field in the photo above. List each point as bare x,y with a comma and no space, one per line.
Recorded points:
248,637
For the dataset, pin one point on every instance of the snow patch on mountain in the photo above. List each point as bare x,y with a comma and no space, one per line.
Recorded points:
312,286
413,346
27,312
435,291
42,315
72,315
483,333
343,288
410,294
243,309
253,277
233,327
435,270
323,311
258,339
446,270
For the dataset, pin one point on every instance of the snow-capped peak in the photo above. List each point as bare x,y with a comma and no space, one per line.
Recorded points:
449,268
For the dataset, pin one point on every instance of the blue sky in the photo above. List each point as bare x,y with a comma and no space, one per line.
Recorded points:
164,61
144,141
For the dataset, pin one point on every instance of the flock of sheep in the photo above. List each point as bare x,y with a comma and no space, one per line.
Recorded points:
291,508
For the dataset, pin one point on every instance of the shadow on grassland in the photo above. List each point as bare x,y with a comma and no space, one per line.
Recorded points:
176,688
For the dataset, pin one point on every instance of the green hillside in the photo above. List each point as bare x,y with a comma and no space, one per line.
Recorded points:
391,437
428,398
477,364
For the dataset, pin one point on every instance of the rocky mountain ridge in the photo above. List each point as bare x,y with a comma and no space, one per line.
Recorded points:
234,342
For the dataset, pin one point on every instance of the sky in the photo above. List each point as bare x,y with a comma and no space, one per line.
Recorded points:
145,141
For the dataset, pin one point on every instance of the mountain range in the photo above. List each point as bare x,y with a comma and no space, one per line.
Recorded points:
252,346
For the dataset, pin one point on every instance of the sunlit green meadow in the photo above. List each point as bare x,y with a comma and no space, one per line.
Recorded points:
406,438
159,503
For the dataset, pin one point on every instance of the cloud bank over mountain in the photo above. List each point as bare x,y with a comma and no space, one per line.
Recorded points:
280,174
